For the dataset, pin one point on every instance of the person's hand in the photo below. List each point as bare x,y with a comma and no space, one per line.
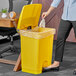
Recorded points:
44,14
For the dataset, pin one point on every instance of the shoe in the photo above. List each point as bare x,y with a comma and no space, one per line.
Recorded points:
74,73
51,69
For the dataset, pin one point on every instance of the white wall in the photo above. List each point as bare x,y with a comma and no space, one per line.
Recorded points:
4,4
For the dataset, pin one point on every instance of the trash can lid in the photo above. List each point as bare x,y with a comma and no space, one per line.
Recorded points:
29,16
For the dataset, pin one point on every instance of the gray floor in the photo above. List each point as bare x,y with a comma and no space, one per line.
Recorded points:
66,68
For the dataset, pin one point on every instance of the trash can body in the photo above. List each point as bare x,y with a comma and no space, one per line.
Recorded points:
36,53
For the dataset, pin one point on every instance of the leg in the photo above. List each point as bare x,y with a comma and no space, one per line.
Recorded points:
18,64
63,32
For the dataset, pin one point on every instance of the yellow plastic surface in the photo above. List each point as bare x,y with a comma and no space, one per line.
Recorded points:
36,53
29,16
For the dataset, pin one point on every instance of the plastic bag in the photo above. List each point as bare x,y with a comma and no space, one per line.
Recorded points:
42,23
38,32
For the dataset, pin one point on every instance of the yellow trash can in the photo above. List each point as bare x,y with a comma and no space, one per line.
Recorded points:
37,43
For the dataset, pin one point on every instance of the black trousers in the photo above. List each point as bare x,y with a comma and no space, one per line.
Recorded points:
63,32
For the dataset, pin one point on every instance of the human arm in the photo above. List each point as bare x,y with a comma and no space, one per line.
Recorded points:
54,5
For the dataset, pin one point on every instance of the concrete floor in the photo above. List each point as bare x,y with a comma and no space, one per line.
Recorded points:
66,68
